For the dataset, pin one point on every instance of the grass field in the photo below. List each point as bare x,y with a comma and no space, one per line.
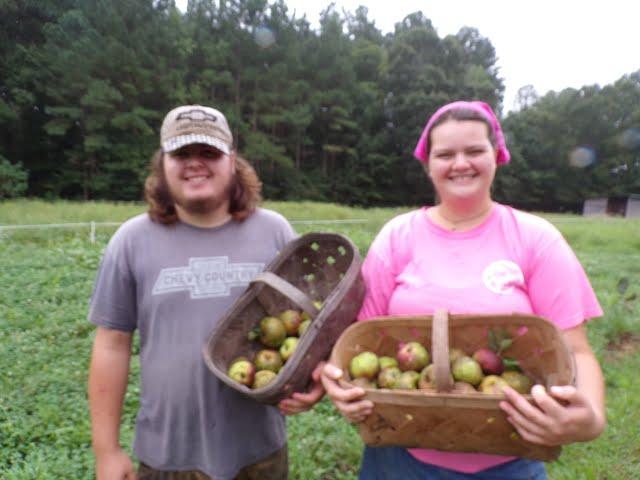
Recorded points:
45,340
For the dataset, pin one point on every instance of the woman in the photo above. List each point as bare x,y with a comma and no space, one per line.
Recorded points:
498,260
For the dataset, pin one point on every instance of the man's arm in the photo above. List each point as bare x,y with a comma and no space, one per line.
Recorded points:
108,377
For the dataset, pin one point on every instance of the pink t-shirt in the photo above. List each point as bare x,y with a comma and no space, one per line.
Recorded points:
512,262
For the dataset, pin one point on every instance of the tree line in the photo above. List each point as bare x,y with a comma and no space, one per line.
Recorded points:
329,113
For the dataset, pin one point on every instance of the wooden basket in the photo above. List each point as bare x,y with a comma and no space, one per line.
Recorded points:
470,422
315,266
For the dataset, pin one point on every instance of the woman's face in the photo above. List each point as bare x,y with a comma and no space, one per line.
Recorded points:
462,161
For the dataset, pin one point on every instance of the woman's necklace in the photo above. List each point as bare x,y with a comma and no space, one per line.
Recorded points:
464,224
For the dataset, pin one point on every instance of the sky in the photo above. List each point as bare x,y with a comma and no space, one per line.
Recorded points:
550,44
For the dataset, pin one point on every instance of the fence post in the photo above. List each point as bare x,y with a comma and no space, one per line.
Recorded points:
92,235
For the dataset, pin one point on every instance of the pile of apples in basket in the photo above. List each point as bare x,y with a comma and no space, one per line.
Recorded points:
486,370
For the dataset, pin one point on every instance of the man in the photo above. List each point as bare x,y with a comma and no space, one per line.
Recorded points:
170,273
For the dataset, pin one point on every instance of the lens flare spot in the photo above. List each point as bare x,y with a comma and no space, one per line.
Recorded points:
630,139
581,157
264,36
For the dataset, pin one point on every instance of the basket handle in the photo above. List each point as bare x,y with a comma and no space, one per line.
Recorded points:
288,290
440,350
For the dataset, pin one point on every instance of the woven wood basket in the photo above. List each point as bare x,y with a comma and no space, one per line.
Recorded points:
470,422
315,266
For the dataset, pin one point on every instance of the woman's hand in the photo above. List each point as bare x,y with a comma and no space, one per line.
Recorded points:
346,400
560,416
301,402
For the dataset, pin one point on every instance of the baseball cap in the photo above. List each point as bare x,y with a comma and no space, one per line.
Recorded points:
195,124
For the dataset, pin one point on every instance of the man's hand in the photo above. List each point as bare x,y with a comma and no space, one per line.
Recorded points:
115,465
302,402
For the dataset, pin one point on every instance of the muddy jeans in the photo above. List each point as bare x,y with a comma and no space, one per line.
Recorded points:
274,467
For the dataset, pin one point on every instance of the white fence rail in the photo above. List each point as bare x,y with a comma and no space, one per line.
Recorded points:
93,225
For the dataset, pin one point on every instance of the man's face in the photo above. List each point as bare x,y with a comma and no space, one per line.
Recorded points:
199,178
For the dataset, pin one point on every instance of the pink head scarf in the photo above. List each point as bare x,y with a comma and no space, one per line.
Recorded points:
422,147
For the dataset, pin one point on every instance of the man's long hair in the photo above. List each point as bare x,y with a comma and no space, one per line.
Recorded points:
244,191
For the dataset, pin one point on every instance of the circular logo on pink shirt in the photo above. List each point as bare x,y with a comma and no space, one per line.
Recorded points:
502,276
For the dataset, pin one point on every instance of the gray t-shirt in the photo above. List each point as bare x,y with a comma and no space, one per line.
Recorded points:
173,283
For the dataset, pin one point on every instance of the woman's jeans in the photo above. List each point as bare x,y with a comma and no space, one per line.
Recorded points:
396,463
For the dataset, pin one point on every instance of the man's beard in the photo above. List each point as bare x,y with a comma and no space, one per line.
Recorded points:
203,206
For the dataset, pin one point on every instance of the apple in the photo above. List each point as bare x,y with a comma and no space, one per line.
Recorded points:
407,380
263,378
466,369
463,387
492,384
365,365
412,356
291,320
454,354
288,347
489,361
304,325
268,359
242,371
364,382
272,332
387,362
388,377
518,381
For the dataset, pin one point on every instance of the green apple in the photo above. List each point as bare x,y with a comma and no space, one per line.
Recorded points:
518,381
387,362
272,332
388,377
365,365
466,369
288,347
304,325
407,380
492,384
242,371
291,320
263,378
268,359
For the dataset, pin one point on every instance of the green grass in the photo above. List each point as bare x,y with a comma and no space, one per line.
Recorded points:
45,342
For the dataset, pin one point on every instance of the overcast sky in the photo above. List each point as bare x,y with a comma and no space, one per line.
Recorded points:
550,44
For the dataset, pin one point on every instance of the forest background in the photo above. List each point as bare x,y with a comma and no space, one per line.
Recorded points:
328,114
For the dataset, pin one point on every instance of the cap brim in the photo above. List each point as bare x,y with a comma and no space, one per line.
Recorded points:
182,140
